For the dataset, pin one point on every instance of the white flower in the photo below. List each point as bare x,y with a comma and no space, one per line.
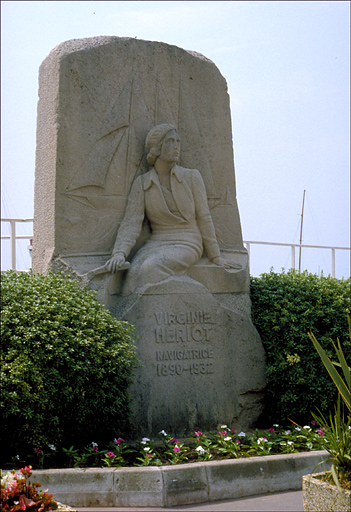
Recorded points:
287,432
94,444
53,447
275,425
200,450
227,438
241,434
145,440
163,432
8,479
261,440
282,443
306,427
290,442
297,428
147,449
224,426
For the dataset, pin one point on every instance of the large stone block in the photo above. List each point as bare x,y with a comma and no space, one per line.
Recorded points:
134,486
135,196
98,98
202,362
185,484
98,486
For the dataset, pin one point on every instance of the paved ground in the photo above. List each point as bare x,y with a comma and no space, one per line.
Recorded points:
280,502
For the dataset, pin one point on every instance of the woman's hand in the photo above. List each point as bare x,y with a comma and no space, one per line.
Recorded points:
222,262
116,262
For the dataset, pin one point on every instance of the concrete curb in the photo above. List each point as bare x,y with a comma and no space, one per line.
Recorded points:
166,486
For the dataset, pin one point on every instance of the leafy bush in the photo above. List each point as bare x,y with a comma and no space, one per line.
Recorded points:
285,307
66,364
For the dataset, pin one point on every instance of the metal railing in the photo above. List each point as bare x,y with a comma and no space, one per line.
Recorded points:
13,237
300,246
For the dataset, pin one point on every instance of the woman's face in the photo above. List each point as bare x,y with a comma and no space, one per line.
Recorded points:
170,149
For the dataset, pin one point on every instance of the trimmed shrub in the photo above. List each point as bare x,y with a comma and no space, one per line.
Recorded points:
66,364
285,307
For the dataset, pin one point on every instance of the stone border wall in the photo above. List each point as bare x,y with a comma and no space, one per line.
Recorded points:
166,486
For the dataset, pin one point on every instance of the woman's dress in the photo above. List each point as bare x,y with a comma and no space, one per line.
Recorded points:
181,227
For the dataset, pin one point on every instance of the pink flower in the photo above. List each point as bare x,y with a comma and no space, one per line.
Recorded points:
119,440
38,451
176,449
270,430
174,440
149,454
110,454
238,441
233,431
198,433
25,502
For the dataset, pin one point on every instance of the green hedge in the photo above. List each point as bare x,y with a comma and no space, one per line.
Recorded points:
66,364
285,307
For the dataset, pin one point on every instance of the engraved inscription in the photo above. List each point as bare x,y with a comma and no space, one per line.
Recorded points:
172,369
179,355
183,327
187,317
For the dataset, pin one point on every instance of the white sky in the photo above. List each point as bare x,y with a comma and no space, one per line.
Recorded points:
288,74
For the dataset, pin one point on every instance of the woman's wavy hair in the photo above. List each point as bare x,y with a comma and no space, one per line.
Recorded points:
154,139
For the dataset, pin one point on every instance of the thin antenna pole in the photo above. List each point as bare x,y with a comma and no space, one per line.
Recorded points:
303,205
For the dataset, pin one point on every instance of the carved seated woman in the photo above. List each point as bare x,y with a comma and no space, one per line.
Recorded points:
174,201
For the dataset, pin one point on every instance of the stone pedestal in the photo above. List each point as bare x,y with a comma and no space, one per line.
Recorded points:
202,361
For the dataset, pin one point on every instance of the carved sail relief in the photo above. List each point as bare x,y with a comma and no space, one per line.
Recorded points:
117,156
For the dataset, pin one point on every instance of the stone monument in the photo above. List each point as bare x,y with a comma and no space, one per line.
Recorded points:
135,197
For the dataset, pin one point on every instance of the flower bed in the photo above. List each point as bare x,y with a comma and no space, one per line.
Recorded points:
224,443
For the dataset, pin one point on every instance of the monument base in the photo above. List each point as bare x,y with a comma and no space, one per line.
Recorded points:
202,363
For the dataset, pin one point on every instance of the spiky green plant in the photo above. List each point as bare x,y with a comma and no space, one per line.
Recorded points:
337,439
343,386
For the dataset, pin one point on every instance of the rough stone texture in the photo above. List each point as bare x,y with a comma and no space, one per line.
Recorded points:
98,98
319,495
80,487
134,486
203,362
166,486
